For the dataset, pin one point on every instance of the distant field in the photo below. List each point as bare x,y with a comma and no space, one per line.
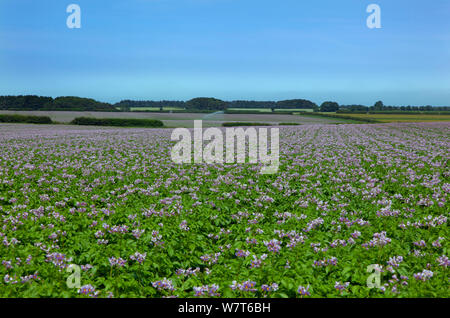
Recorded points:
394,118
268,110
216,119
186,119
261,110
153,109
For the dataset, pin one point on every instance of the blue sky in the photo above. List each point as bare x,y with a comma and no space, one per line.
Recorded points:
229,49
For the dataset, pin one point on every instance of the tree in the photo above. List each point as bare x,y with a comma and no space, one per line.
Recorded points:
378,105
353,108
206,103
296,103
251,104
80,104
27,102
329,107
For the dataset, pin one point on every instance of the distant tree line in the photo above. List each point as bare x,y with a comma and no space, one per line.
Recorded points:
72,103
208,103
127,104
380,107
33,102
204,103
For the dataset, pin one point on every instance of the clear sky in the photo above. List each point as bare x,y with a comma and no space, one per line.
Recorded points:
229,49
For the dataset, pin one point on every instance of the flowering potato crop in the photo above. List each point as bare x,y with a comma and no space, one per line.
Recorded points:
110,201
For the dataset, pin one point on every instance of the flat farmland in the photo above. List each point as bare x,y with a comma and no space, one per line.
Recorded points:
269,110
398,118
155,109
184,119
346,199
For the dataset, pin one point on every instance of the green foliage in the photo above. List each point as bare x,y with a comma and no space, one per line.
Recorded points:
378,105
67,193
28,102
32,102
25,119
329,107
251,104
353,108
206,103
78,103
296,103
118,122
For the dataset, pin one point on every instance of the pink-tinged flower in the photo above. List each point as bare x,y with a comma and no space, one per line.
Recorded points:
269,288
420,243
88,290
138,257
184,226
58,259
164,284
210,259
304,291
9,280
395,261
443,261
379,239
325,262
188,272
273,246
119,262
437,243
256,262
341,287
137,233
7,264
242,253
424,275
313,224
247,286
211,291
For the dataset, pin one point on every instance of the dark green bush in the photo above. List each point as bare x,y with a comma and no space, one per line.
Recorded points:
25,119
117,122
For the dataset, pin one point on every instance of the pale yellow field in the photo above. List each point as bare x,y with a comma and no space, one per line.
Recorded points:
397,118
